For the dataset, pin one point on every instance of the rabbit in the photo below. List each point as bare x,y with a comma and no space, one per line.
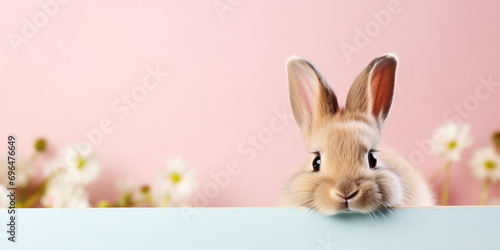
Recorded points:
346,170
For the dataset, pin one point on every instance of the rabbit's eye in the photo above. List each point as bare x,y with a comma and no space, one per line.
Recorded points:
372,160
316,163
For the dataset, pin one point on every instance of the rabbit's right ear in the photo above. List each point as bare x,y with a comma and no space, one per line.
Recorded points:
373,89
310,96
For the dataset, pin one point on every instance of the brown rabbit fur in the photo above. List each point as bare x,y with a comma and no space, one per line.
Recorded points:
346,170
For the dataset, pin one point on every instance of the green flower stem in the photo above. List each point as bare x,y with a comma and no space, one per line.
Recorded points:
438,172
39,149
146,191
165,201
39,191
125,200
446,184
484,192
35,197
33,156
149,198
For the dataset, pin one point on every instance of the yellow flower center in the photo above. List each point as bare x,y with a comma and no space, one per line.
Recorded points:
490,165
175,177
452,145
80,162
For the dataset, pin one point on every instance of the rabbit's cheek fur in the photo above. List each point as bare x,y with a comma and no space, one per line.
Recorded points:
302,188
325,200
390,188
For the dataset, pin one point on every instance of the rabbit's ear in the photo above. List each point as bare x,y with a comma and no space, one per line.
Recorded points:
310,96
373,89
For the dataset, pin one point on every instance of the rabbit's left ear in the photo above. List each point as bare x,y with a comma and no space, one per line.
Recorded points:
311,97
373,89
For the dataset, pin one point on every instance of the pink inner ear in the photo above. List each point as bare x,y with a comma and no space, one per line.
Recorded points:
308,95
382,87
308,87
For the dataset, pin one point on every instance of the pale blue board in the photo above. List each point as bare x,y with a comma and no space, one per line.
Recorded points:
253,228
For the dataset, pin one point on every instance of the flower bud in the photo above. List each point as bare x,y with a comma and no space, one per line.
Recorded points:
496,139
40,145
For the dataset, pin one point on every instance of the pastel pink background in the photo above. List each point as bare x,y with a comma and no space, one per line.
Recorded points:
226,77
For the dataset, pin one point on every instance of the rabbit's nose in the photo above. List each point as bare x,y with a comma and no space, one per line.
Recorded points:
347,189
349,196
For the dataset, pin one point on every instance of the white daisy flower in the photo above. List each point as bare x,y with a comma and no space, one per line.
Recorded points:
4,200
77,165
65,196
450,140
485,164
60,195
177,183
25,170
165,198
